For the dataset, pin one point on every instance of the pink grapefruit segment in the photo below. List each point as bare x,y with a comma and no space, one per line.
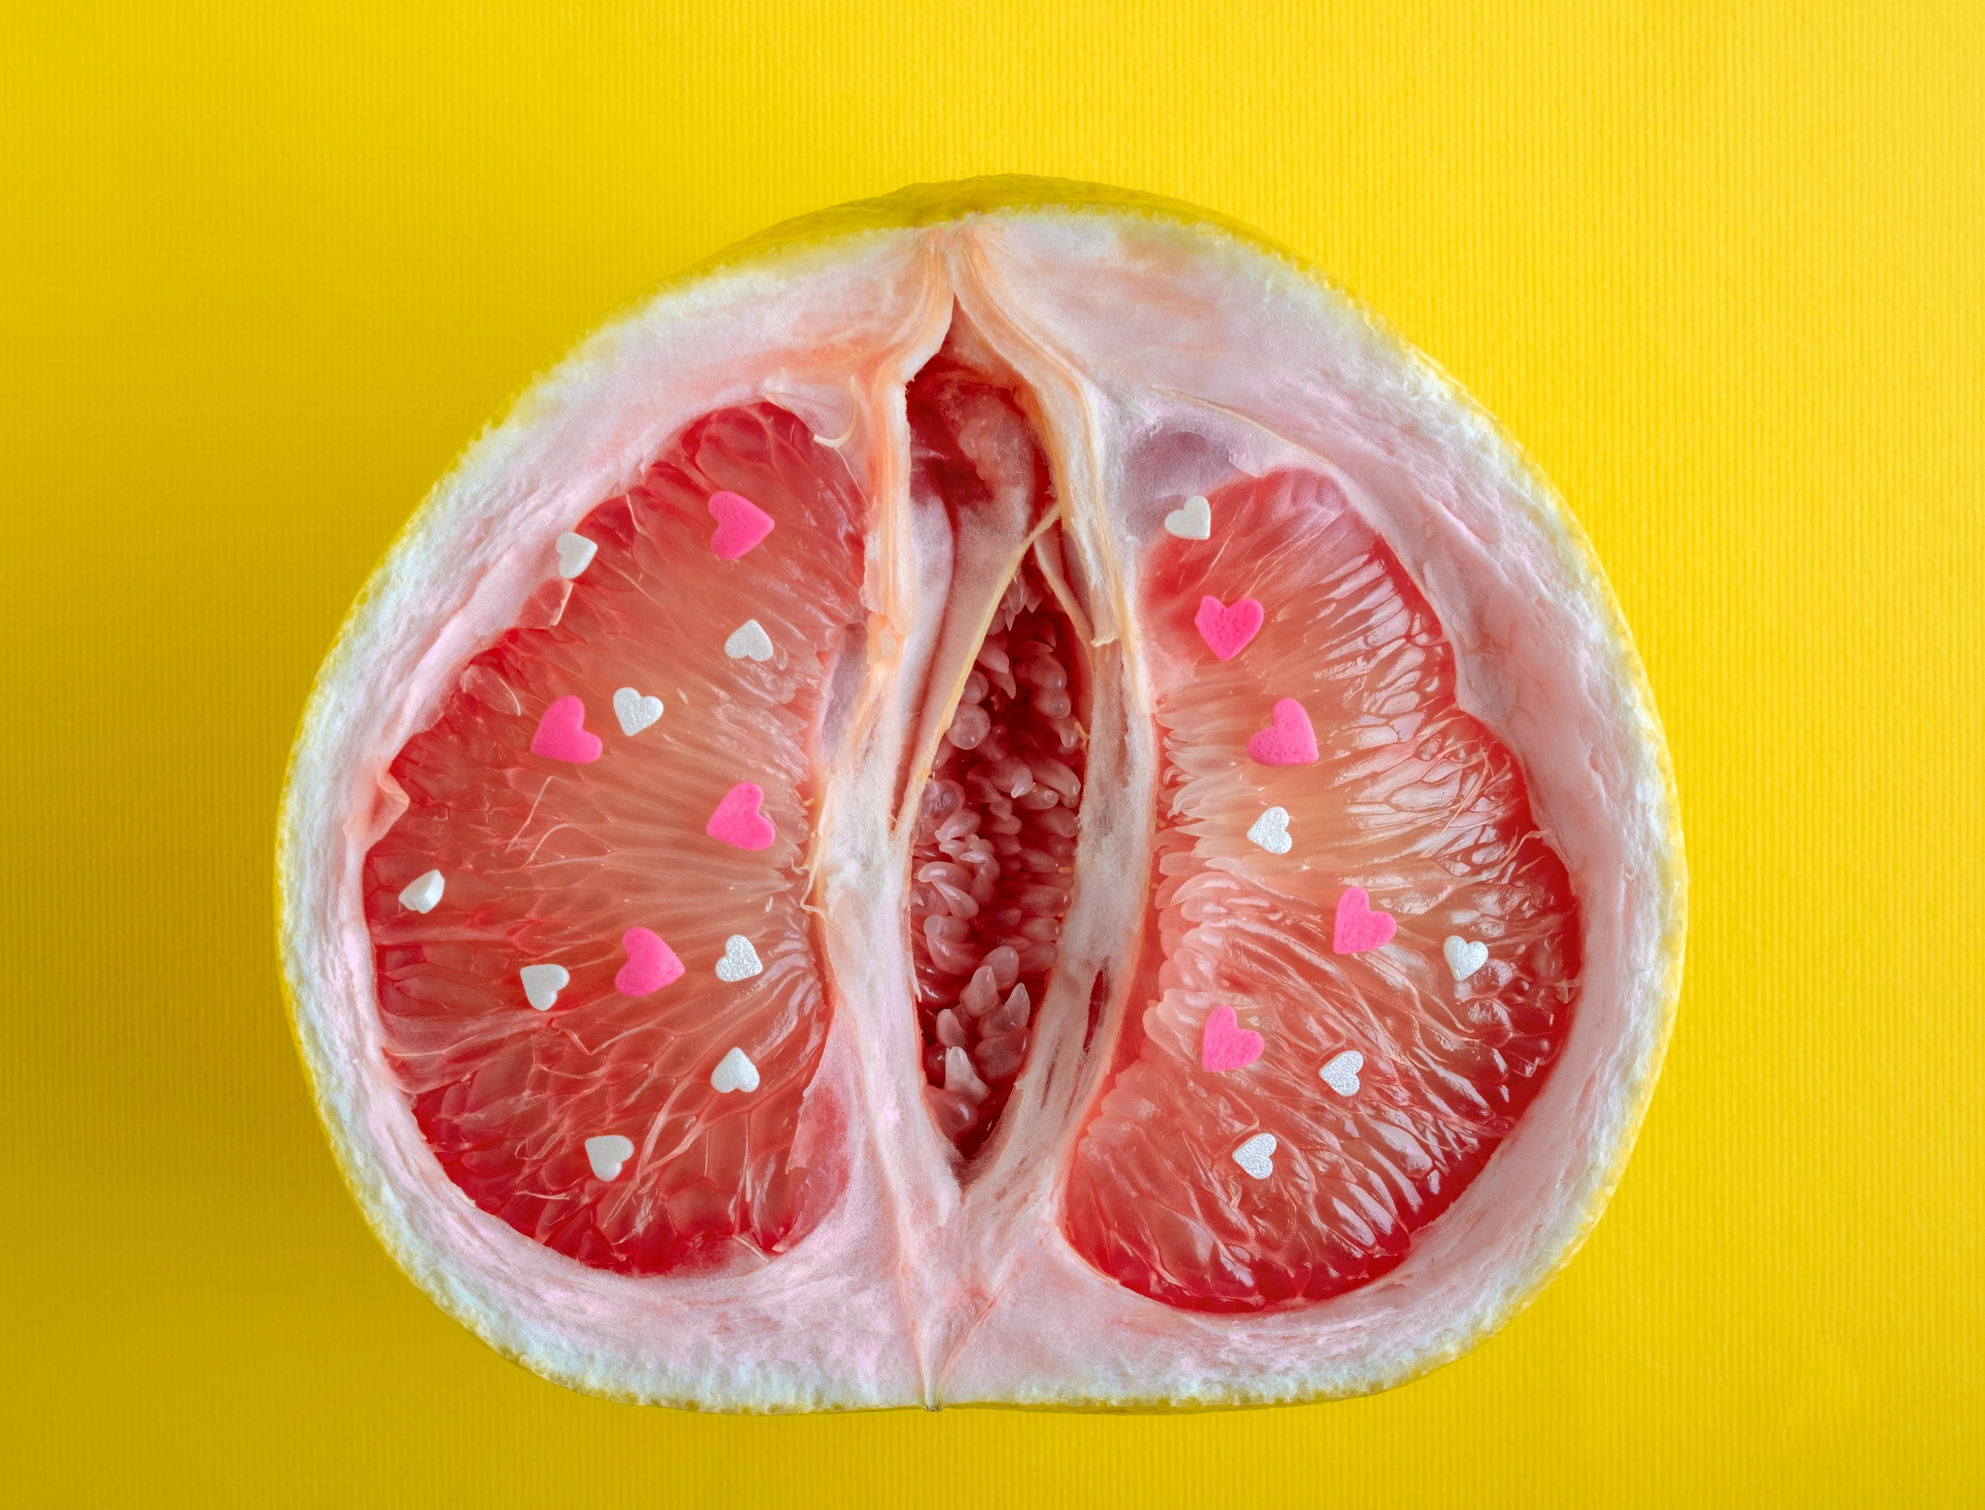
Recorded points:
1410,802
565,841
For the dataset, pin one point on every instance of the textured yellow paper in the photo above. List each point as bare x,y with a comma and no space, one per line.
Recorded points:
1718,268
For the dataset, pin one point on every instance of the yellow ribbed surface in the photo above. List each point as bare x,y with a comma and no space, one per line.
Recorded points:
1718,268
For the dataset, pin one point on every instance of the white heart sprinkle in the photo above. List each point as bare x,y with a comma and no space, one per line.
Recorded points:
575,554
542,983
740,961
1271,831
607,1154
734,1072
1257,1155
749,639
423,892
634,711
1464,958
1341,1074
1193,522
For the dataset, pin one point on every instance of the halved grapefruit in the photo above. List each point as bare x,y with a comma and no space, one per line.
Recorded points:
997,797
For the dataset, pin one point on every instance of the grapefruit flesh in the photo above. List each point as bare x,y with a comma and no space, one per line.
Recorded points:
550,861
1001,801
994,846
1409,800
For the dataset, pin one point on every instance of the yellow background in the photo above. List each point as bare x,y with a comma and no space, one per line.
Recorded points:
267,267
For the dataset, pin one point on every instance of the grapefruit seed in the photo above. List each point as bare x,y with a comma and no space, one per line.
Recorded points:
997,798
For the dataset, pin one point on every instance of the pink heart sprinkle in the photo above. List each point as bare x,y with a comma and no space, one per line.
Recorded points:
562,734
1358,928
651,964
1227,630
1289,741
1226,1045
737,820
741,524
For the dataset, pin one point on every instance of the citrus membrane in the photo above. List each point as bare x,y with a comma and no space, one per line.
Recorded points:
997,798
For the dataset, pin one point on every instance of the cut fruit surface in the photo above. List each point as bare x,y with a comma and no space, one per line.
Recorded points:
1407,800
553,853
998,799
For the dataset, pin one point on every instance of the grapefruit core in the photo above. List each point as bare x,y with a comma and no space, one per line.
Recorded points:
996,797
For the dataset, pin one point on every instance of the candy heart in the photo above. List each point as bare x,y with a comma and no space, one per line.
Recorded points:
634,711
1271,831
575,554
749,639
1257,1155
607,1154
542,983
651,964
741,524
740,961
1358,928
1224,1044
1464,958
738,822
1289,740
734,1072
562,734
423,891
1192,522
1227,630
1341,1074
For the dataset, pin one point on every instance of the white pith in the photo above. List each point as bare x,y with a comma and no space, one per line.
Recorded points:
911,1290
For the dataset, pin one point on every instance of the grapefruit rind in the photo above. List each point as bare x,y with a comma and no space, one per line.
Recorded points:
828,317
